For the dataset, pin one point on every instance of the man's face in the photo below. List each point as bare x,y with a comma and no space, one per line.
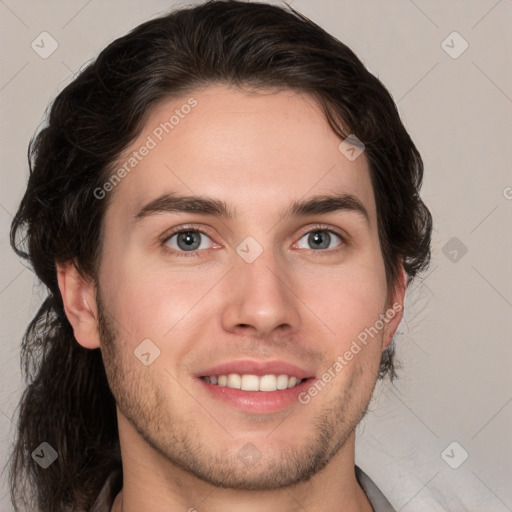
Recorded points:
265,291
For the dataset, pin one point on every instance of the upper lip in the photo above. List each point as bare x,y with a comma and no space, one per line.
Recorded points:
259,368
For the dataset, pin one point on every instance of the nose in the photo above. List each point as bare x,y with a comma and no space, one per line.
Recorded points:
260,298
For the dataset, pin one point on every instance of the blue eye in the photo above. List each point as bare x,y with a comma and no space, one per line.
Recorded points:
188,240
319,239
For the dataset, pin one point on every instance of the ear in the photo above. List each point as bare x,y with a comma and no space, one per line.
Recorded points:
79,298
395,308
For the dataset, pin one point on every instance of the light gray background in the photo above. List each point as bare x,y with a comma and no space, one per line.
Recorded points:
455,341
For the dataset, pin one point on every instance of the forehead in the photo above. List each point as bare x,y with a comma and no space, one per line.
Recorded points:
257,151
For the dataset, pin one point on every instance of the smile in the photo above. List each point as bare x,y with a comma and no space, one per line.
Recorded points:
247,382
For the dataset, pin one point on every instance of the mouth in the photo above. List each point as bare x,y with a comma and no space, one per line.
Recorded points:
248,382
255,387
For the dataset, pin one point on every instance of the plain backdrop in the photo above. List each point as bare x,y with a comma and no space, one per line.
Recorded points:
454,394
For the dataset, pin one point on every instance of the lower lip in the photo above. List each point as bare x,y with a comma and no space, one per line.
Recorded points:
257,401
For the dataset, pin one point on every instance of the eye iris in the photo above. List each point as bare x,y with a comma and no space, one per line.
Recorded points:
321,239
190,239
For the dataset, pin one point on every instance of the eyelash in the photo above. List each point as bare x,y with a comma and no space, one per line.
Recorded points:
196,253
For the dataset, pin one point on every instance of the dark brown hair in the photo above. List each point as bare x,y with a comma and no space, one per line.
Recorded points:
67,402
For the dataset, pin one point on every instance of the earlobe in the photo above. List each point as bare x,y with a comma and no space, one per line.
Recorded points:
79,298
395,310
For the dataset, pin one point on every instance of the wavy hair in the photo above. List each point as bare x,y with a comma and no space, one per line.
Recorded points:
67,401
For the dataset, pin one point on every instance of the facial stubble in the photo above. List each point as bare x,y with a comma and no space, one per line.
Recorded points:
177,438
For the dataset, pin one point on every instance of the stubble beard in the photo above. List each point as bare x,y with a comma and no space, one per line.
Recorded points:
180,442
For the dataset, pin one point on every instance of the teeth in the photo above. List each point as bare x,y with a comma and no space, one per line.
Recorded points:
250,383
282,381
253,382
268,383
234,381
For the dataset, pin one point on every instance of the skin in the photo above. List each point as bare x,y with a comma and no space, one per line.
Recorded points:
258,152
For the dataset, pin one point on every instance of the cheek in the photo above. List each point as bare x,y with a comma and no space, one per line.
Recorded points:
347,299
155,302
347,305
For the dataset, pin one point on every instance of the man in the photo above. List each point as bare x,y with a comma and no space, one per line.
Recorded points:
224,207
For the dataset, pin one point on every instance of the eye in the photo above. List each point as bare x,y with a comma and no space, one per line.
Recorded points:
188,240
319,239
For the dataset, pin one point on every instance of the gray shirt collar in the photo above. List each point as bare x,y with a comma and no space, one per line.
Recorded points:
377,500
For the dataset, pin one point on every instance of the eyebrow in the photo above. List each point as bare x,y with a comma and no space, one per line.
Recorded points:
316,205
